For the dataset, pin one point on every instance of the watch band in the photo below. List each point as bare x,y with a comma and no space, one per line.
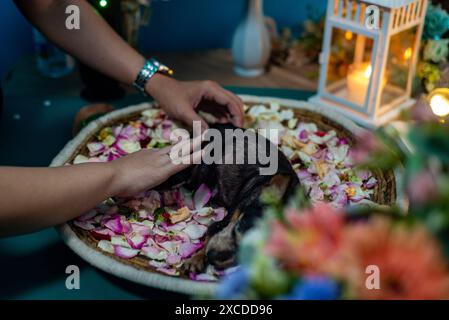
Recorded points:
149,69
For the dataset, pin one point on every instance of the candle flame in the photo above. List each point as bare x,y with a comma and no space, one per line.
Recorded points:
348,35
368,71
408,53
439,105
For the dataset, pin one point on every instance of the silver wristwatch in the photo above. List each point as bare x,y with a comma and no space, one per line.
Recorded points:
149,69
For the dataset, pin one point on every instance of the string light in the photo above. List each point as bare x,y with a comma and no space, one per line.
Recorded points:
103,3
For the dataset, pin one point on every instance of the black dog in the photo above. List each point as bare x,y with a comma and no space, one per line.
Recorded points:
239,187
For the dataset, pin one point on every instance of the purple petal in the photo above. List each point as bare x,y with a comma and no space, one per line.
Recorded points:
303,136
371,183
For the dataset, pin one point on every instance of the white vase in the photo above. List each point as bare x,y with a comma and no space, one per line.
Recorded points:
251,45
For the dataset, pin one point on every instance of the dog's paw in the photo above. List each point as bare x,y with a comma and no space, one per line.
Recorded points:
196,264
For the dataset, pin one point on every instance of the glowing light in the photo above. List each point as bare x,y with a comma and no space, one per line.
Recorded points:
368,71
103,3
408,53
439,105
348,35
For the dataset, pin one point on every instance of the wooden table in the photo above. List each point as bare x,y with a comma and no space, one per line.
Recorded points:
217,65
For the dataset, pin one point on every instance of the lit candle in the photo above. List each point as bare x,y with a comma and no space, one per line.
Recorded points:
439,102
408,54
358,82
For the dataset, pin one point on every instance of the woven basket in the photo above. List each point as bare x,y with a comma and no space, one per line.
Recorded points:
137,269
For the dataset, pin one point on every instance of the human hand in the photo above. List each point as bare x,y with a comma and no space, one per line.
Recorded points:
182,100
149,168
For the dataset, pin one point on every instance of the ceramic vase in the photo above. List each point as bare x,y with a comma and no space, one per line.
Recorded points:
251,45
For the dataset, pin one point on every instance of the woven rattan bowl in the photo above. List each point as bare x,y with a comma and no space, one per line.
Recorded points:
137,269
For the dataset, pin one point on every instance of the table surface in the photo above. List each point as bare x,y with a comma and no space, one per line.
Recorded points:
35,125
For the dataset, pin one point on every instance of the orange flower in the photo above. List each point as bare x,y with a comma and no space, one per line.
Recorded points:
410,262
309,240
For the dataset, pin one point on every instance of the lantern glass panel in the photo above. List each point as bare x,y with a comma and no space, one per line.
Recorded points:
349,70
399,67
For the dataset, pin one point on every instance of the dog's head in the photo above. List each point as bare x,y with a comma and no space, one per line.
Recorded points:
225,236
239,187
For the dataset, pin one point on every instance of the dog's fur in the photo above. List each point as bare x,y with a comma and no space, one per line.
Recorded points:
239,187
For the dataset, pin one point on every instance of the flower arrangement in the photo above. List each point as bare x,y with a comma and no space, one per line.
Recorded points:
316,251
435,52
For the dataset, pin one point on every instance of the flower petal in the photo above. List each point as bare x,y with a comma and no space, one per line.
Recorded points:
125,253
202,196
195,231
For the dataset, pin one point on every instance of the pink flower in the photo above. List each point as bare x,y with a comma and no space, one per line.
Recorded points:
367,144
308,240
422,188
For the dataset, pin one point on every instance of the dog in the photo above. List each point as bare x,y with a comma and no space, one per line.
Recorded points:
238,187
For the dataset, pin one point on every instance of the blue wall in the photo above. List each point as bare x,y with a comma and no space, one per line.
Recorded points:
15,35
175,25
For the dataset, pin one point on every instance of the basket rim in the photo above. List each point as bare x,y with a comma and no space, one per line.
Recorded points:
147,277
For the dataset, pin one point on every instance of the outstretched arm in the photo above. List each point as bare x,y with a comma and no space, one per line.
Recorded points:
36,198
97,45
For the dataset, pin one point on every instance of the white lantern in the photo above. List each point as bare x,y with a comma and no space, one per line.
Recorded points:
368,64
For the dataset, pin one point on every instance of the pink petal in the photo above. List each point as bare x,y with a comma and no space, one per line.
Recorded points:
125,253
102,234
219,214
173,259
154,252
187,249
140,229
137,241
195,231
202,196
166,132
118,224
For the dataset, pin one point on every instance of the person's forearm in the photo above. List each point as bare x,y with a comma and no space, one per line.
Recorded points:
35,198
95,43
